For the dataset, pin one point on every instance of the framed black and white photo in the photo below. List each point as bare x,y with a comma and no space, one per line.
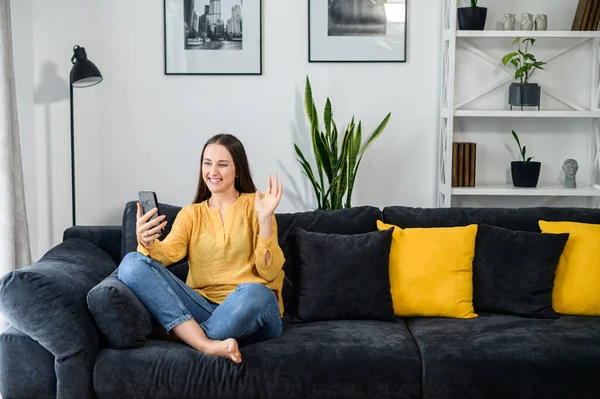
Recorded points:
213,37
357,30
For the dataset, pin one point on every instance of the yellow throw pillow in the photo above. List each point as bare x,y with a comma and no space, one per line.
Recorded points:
576,285
431,271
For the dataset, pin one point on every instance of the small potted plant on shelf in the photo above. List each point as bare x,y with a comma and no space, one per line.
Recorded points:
524,173
523,93
472,18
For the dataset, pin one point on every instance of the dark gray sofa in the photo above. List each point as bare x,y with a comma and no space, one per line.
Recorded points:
54,348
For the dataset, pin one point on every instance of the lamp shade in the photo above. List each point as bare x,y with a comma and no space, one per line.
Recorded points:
83,73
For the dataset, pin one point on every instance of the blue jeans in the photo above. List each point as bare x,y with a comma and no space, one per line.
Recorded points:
251,312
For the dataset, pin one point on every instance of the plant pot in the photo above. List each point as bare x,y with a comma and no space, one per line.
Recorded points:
471,18
524,95
525,174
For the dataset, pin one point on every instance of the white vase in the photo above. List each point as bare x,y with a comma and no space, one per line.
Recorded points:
508,21
541,22
527,21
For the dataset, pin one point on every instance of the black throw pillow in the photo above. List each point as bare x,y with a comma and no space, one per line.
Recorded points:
513,271
344,277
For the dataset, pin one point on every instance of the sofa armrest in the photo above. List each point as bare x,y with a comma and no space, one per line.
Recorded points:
34,378
47,301
107,238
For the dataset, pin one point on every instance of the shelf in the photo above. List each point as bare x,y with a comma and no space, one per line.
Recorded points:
540,190
527,114
567,34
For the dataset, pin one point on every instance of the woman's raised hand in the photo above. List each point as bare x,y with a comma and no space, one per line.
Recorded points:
265,206
147,230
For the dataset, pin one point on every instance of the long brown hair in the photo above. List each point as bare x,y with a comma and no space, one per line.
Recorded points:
243,178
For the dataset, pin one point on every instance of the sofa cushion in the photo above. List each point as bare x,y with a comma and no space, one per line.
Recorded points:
578,273
502,356
357,220
431,271
107,238
47,301
332,359
513,271
524,219
22,362
344,277
121,317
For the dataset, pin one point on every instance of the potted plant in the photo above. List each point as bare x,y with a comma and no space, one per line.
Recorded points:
339,163
524,173
523,93
472,18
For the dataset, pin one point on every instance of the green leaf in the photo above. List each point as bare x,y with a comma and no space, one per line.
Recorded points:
323,155
352,162
509,58
516,138
308,102
334,142
327,117
517,40
309,173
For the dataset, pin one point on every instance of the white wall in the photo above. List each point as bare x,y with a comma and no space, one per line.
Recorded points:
140,129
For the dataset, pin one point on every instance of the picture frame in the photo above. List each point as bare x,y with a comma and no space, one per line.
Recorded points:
213,37
357,30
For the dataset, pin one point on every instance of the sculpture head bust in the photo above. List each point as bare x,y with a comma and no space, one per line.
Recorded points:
570,167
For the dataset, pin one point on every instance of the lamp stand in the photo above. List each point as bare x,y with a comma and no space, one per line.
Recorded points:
72,154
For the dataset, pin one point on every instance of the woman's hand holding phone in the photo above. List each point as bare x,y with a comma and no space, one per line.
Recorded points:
147,230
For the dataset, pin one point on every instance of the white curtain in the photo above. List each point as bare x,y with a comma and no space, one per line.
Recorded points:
14,235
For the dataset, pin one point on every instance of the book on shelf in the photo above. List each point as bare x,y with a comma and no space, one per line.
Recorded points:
464,157
587,16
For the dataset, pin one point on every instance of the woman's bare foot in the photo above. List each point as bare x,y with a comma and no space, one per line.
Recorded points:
192,334
227,348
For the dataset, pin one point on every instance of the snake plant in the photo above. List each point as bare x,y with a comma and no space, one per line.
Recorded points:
337,163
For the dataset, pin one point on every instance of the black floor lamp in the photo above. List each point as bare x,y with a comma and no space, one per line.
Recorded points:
83,74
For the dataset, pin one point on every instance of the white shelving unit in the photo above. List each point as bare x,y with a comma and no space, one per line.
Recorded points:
451,110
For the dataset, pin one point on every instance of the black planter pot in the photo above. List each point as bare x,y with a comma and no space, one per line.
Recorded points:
525,174
471,18
524,95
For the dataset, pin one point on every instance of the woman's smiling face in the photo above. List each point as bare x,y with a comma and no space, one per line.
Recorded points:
218,169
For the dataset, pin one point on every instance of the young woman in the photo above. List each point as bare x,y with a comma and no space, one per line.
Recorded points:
229,234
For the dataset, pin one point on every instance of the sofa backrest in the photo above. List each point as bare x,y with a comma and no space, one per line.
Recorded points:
523,219
356,220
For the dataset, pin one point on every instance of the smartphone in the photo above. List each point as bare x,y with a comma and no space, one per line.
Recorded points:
148,202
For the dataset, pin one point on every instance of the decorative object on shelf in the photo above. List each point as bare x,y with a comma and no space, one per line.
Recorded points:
340,167
509,21
203,38
570,167
587,16
357,30
525,173
472,18
527,22
541,22
464,157
523,93
84,73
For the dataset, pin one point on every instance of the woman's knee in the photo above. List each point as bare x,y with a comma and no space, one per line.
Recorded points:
258,296
130,267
